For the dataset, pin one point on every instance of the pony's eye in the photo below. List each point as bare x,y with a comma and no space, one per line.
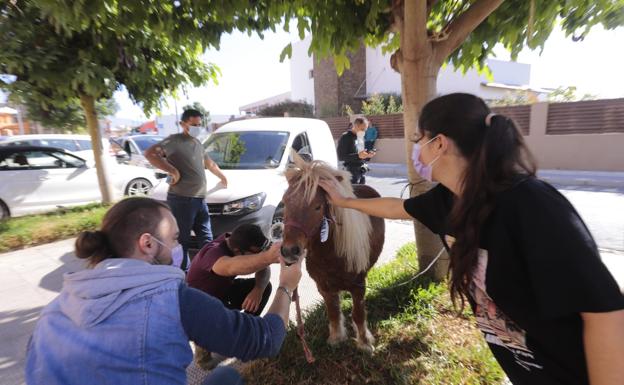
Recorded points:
318,208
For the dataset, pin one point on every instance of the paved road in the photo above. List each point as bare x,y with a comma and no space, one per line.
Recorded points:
601,208
32,277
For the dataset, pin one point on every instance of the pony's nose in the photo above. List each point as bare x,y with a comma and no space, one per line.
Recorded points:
292,251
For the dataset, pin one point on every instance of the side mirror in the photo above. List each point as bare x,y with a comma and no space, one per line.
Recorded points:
160,175
122,156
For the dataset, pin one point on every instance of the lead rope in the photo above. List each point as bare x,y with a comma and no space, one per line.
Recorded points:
300,329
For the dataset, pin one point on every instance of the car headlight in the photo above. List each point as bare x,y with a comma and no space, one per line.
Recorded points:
245,205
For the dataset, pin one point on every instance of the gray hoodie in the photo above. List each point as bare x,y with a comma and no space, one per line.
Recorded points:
90,296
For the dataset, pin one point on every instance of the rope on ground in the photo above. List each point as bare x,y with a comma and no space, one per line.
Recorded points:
412,278
300,329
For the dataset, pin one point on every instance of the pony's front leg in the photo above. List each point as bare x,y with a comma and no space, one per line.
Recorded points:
364,339
337,331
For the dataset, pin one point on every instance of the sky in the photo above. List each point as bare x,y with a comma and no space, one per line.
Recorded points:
251,70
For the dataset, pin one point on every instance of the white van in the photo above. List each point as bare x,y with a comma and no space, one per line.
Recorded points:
253,154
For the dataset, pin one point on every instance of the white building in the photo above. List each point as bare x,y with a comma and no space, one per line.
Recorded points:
379,77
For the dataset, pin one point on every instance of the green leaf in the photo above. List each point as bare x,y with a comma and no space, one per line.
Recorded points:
287,51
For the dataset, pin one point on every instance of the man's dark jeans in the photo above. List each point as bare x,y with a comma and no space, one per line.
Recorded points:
239,290
358,175
191,214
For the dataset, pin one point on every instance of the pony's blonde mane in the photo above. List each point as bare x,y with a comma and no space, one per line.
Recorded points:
352,228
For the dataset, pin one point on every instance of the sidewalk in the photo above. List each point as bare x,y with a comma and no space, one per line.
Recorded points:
606,179
32,277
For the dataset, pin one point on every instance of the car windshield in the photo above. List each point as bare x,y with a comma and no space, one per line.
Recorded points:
247,150
145,142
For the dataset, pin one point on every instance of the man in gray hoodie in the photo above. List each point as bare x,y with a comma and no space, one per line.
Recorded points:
128,318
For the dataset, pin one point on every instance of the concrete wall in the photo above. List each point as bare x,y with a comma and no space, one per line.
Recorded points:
591,152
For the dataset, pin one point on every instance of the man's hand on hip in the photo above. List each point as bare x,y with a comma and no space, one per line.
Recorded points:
175,176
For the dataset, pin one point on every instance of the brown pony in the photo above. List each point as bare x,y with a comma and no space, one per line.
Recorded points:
341,261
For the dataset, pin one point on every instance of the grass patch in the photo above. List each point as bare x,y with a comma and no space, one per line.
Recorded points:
20,232
419,339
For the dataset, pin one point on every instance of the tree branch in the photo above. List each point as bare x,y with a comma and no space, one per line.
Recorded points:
414,40
463,25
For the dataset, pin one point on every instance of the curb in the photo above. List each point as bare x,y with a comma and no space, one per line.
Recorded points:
608,179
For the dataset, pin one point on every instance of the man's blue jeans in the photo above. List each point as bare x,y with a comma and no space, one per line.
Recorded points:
191,214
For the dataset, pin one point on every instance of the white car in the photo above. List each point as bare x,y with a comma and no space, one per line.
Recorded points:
253,154
134,146
38,179
76,144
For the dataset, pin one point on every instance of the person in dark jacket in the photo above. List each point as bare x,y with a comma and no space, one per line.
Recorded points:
351,151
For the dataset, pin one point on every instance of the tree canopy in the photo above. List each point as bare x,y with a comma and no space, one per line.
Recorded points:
339,26
69,117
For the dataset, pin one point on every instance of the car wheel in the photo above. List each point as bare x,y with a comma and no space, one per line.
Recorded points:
138,187
4,211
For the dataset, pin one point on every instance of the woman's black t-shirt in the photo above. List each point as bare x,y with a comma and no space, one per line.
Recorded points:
538,268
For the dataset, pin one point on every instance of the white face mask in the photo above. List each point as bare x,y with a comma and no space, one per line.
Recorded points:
360,134
195,131
177,254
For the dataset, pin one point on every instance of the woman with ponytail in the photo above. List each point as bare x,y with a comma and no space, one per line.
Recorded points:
521,256
128,318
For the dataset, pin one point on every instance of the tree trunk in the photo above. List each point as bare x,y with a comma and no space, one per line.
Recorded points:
88,105
419,71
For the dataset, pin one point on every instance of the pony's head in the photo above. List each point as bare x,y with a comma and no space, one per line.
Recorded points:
307,215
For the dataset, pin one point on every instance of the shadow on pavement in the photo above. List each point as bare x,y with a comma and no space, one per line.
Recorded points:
13,346
54,280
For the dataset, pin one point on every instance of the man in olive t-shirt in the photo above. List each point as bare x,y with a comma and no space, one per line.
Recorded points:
183,157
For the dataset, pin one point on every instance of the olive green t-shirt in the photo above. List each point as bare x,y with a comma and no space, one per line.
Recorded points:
186,154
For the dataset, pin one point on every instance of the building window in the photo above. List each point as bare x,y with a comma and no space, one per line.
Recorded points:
311,74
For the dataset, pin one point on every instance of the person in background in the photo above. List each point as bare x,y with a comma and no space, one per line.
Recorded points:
351,152
183,157
128,318
521,256
215,268
370,136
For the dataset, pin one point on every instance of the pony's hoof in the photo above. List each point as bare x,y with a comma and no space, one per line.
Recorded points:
367,347
335,340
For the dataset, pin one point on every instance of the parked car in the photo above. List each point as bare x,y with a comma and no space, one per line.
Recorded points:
134,146
38,179
79,145
253,154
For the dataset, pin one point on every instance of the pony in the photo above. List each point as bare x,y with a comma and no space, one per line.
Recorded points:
339,245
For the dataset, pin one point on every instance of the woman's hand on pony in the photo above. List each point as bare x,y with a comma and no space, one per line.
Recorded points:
332,189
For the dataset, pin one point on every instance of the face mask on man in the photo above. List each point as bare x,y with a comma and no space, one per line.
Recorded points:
195,131
424,170
360,135
177,254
